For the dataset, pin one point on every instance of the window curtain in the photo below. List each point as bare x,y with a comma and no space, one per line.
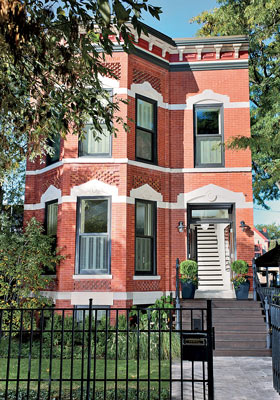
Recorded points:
210,151
92,146
52,219
145,112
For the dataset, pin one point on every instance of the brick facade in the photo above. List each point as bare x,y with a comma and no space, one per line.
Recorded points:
157,74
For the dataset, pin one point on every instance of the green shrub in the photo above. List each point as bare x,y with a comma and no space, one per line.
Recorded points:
189,272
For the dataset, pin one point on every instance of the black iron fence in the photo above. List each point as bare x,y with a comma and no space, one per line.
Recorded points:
275,327
101,353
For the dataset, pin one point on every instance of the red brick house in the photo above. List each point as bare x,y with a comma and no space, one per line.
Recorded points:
123,209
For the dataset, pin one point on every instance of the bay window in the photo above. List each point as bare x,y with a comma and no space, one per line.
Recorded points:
93,236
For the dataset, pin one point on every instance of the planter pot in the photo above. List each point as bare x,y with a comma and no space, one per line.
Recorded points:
242,292
188,290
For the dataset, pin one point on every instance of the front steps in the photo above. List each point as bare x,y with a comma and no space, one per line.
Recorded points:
240,329
209,266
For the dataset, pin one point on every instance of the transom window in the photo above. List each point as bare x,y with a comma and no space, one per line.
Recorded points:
93,235
146,129
145,243
209,150
95,143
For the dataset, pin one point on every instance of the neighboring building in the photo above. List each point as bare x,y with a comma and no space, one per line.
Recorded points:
261,242
115,205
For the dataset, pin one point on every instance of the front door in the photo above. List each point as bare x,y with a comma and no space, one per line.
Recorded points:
211,244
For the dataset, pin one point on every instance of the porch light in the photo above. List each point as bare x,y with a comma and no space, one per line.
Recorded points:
181,226
243,226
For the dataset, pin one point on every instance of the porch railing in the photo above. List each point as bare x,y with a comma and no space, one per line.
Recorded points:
268,296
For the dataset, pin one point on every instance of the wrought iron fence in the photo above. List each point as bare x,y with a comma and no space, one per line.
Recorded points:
275,326
101,353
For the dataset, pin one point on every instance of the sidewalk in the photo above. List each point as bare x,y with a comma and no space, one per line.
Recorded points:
235,378
243,378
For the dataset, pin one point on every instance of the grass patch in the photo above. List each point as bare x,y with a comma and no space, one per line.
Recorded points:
51,371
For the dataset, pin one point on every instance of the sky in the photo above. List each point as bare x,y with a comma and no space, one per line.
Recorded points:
174,22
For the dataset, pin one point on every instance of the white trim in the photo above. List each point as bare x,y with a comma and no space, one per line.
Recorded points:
146,297
207,194
146,278
146,89
208,96
45,169
146,192
123,295
90,277
57,295
199,63
52,193
141,165
98,298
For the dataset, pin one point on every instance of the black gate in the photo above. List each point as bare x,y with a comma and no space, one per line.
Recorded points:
101,353
275,325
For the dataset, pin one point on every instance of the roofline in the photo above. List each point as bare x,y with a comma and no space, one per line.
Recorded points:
261,235
198,40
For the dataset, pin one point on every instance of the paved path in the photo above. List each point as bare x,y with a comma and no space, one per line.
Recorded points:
235,378
243,378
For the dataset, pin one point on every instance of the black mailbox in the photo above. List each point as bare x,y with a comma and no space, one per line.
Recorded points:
194,346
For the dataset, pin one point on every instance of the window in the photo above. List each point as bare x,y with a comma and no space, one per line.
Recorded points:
209,150
145,243
94,143
146,130
54,143
82,313
51,209
51,218
93,235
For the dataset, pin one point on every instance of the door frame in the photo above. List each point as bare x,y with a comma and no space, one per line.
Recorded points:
209,206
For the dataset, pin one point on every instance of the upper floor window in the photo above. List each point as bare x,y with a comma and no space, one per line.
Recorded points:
146,129
93,235
96,144
209,151
145,237
54,143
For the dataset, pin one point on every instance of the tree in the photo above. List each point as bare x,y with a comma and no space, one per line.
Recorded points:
260,21
23,259
272,230
52,56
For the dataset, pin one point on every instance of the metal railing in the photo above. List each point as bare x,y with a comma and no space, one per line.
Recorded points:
275,327
127,354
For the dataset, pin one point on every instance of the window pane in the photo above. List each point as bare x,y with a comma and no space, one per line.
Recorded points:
94,216
143,254
144,145
93,252
144,219
54,143
91,146
209,151
52,219
145,114
211,213
207,121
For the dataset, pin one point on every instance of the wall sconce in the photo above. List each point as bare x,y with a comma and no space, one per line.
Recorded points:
181,226
243,226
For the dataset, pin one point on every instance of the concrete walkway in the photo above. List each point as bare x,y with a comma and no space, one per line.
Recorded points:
235,378
243,378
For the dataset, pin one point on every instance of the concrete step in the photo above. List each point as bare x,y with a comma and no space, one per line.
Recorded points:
222,312
210,272
240,344
242,353
255,327
248,336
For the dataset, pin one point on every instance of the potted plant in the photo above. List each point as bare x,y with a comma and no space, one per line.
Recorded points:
240,279
188,278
